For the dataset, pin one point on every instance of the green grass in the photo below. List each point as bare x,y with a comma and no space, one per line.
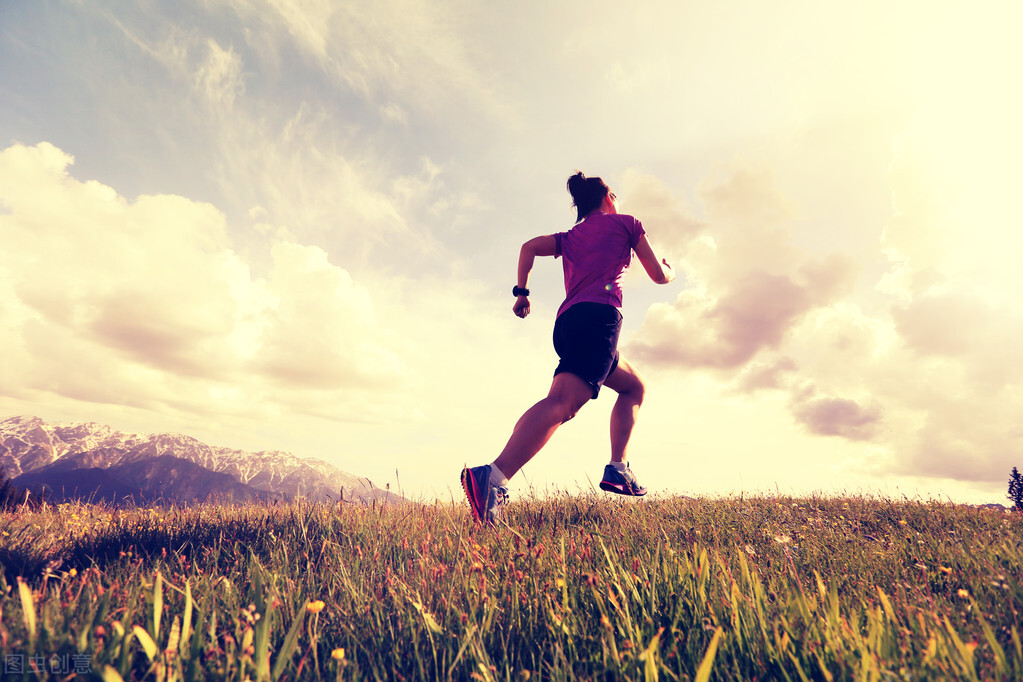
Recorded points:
577,587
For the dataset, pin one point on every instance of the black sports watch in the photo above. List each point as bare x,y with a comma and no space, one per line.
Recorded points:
519,291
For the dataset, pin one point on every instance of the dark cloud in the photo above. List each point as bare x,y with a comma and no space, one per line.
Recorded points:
750,284
765,376
827,416
751,313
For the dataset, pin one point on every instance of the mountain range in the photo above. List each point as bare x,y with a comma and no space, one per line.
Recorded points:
96,462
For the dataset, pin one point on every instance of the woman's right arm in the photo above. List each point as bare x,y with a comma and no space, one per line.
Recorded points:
658,269
545,245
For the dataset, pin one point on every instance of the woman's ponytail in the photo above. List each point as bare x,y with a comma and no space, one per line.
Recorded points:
587,194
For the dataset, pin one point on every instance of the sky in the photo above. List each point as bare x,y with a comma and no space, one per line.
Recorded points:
294,225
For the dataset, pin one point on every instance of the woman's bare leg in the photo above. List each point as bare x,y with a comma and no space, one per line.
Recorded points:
568,393
626,381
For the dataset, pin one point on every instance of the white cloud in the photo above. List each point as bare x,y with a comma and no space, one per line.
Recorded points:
143,302
415,51
219,78
321,330
917,365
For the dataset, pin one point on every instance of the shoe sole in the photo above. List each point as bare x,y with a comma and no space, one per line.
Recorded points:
469,488
619,489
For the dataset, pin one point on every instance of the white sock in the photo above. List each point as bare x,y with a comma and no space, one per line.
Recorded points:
621,466
497,477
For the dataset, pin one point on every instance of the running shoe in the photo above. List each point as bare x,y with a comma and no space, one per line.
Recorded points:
621,482
485,500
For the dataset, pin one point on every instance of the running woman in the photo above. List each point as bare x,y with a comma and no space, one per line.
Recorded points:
596,253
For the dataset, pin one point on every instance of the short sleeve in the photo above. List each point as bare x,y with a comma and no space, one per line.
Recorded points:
557,244
636,232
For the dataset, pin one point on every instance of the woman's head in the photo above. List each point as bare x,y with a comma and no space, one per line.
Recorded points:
588,194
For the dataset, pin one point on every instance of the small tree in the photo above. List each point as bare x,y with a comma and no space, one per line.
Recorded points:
11,496
1016,489
8,493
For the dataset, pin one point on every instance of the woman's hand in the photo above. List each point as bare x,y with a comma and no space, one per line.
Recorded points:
659,270
521,307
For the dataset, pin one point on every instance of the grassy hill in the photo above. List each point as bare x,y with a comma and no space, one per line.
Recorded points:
576,587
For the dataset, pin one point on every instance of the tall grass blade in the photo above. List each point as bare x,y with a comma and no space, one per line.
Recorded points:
186,619
108,674
288,648
28,611
707,664
1001,663
157,604
174,639
262,648
148,645
649,658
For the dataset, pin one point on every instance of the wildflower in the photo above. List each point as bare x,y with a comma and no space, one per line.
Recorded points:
73,572
560,582
338,654
314,606
963,593
902,522
945,569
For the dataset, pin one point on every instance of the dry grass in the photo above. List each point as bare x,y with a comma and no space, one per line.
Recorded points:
576,587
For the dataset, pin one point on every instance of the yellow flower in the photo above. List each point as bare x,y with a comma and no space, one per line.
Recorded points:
338,654
963,593
73,572
560,582
902,522
314,606
945,569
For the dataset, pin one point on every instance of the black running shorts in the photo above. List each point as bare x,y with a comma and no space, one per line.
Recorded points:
586,340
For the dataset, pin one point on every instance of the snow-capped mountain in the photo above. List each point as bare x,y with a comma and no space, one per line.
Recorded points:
46,453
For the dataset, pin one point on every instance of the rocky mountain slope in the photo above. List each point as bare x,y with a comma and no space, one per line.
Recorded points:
80,460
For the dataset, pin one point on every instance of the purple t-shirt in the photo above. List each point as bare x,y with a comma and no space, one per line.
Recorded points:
596,255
